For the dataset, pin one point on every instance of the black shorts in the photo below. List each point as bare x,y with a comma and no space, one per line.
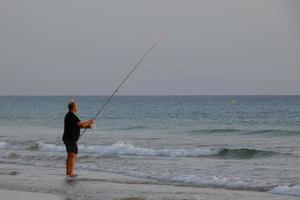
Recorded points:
71,147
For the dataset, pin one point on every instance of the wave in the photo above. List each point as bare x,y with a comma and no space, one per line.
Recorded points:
4,145
274,132
222,182
124,128
118,148
244,153
247,132
231,183
205,131
236,184
121,148
293,190
134,127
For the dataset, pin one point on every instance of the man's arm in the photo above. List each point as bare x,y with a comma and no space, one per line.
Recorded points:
86,124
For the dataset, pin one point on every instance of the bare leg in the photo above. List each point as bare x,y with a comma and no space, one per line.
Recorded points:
73,158
68,164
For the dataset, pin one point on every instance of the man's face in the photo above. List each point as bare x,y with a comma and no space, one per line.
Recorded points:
75,109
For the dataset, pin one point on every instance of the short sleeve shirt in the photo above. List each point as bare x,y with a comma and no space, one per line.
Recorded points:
71,128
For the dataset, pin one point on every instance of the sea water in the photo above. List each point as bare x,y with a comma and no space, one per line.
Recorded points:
230,142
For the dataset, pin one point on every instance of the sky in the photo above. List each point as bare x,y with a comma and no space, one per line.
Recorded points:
212,47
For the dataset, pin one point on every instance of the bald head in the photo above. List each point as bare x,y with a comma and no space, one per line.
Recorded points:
72,106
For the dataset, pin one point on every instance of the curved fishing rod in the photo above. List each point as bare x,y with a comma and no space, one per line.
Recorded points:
125,79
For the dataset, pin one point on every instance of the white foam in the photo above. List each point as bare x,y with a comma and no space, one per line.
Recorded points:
287,190
210,181
51,147
233,183
121,148
4,145
194,180
118,148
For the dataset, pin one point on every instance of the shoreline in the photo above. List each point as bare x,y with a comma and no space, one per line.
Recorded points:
45,182
13,195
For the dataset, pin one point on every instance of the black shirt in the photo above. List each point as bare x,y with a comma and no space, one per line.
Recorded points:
71,129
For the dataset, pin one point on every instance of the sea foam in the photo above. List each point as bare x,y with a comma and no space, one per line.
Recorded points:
221,182
121,148
287,190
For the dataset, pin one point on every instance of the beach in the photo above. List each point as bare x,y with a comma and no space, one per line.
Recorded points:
12,195
101,185
150,100
155,147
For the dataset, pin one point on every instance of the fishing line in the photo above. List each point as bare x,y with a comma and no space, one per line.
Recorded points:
125,79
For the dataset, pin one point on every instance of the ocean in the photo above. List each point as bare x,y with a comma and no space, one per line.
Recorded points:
244,143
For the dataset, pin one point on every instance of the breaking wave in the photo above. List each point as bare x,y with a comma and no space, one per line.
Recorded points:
244,153
274,132
205,131
247,132
222,182
134,127
121,148
287,190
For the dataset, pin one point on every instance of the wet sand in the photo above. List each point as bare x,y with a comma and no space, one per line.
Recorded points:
103,185
14,195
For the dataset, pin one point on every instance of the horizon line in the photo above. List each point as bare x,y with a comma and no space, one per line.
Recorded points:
85,95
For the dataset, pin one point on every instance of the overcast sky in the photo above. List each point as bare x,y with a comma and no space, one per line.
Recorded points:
60,47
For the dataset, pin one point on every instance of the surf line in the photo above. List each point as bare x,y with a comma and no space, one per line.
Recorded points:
126,78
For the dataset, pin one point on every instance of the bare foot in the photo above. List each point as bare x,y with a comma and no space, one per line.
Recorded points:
72,175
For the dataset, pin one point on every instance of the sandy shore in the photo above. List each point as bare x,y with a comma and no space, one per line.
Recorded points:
102,185
14,195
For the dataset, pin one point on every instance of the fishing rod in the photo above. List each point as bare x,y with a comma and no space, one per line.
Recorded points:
125,79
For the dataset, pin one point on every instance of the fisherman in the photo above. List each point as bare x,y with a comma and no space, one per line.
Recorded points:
71,135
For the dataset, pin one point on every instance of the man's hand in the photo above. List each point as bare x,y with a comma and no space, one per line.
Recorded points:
92,121
86,124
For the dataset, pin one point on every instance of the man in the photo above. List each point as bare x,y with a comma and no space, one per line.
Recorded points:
71,135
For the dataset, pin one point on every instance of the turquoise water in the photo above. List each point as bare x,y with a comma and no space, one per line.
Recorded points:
231,142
